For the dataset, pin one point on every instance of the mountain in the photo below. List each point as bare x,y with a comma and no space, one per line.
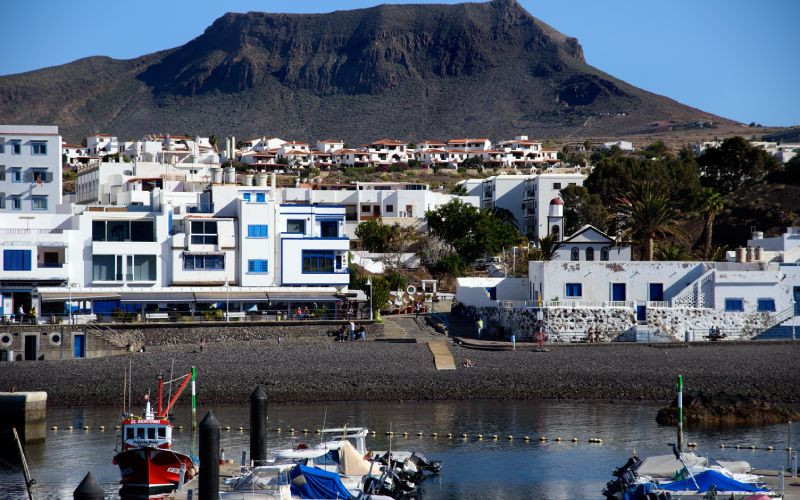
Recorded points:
405,71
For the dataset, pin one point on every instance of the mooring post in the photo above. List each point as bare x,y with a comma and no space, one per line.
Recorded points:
680,413
258,426
789,445
209,458
88,489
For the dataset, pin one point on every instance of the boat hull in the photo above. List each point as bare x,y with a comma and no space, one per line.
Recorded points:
152,470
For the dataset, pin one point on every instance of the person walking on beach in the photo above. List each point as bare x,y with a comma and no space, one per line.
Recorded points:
479,326
202,344
352,331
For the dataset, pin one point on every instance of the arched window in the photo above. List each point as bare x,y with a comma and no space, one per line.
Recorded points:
575,254
590,253
556,232
604,253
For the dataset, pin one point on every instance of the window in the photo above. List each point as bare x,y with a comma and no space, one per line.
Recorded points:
656,292
574,290
604,253
38,148
618,292
296,226
16,202
16,147
103,267
144,268
142,230
129,433
2,172
204,232
16,174
39,202
2,145
258,231
162,432
261,197
41,175
257,266
246,196
734,305
590,253
389,208
118,230
318,261
151,433
329,229
140,432
2,200
575,254
766,305
202,262
556,185
366,208
16,260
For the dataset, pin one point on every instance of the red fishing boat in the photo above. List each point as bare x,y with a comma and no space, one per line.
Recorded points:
147,462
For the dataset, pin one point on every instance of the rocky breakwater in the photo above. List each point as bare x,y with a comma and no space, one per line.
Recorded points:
702,408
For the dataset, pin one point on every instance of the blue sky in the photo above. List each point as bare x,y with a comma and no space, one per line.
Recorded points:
735,58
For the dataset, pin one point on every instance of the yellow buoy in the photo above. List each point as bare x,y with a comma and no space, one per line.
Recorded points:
464,435
227,427
526,438
291,430
389,433
405,434
419,434
372,432
55,427
435,434
319,431
305,431
102,427
752,447
494,436
241,428
69,427
770,448
542,438
509,437
86,427
449,435
722,446
480,436
557,440
278,429
574,440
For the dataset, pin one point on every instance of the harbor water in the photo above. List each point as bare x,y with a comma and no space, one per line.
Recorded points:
473,468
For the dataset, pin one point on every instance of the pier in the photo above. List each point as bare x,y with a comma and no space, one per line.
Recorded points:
26,412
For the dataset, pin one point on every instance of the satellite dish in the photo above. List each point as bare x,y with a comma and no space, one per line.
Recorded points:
411,289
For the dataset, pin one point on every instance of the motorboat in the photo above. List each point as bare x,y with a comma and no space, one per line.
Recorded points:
685,476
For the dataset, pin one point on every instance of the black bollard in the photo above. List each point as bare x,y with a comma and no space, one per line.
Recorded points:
88,489
209,458
258,426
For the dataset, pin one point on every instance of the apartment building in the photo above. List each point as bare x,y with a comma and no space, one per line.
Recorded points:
30,169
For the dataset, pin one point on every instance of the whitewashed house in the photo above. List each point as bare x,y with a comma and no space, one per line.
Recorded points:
30,169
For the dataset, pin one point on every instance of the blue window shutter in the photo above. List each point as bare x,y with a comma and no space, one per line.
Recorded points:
260,197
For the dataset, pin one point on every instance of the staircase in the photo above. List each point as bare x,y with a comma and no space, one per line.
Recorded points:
405,328
778,332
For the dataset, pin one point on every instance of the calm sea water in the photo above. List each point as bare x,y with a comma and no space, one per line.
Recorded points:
473,469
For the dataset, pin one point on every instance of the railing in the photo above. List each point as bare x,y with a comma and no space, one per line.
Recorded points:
99,321
511,304
17,230
199,208
658,304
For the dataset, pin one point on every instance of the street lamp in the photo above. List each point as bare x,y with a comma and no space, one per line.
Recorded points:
69,287
369,283
794,315
227,301
514,251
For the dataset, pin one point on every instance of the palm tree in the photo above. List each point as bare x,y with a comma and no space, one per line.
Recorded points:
645,215
548,245
504,215
711,203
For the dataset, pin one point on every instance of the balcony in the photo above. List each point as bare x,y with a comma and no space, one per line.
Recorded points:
199,208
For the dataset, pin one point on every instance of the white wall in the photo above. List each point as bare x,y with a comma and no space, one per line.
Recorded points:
49,164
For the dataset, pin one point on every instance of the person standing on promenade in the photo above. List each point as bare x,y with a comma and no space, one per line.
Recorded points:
416,310
479,326
352,331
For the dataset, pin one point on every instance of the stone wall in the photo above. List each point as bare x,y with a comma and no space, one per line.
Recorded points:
106,340
571,324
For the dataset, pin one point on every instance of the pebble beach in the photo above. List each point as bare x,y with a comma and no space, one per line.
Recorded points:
377,371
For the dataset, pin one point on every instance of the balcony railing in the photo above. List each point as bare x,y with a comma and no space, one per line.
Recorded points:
199,208
17,230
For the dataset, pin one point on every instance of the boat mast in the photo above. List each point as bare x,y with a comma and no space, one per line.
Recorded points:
160,393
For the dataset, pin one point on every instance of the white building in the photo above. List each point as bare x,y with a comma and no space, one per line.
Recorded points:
392,202
30,169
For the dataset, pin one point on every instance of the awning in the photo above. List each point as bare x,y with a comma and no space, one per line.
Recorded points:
65,295
237,296
159,297
303,296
